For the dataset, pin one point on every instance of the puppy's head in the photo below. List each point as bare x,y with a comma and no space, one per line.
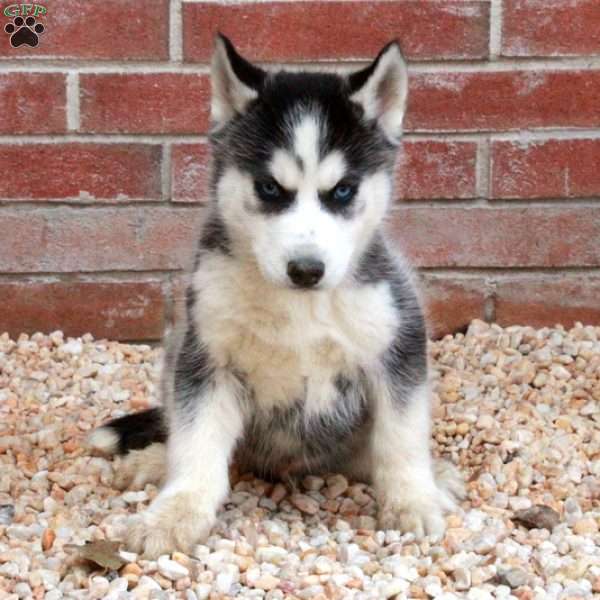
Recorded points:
303,162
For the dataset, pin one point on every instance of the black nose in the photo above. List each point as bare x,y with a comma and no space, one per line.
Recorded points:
305,272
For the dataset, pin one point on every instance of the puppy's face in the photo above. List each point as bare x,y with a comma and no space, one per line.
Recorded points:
303,163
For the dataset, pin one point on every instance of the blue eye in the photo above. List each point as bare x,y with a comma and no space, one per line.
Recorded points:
343,192
270,189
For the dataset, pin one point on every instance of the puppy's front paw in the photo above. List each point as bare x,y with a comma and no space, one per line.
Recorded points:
421,516
173,522
420,507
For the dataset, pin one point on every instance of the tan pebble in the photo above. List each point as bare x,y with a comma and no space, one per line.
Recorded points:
132,580
278,493
462,428
48,538
584,526
416,591
453,521
331,505
243,548
305,504
267,582
139,402
312,483
164,583
348,507
132,569
243,562
336,486
370,568
182,559
355,584
563,423
183,583
70,446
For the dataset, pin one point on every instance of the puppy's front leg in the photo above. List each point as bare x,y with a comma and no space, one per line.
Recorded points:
203,433
409,497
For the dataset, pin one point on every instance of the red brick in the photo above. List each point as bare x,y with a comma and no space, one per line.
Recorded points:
437,169
189,172
451,303
64,239
99,29
144,103
550,27
548,169
32,103
475,101
122,310
499,237
299,31
548,300
80,170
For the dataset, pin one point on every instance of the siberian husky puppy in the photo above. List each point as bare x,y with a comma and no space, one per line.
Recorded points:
304,349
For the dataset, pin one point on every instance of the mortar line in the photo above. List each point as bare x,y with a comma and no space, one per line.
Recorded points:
73,112
495,28
448,65
175,31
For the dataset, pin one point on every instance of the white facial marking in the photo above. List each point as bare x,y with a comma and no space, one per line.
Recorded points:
306,143
286,170
331,170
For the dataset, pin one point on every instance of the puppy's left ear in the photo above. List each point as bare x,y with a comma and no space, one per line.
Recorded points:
235,81
381,89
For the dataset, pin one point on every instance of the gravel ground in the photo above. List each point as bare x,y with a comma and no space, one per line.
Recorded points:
517,409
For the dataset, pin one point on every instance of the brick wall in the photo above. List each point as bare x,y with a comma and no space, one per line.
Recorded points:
103,152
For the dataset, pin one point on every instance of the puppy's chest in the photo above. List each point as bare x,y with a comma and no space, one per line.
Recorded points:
297,350
291,345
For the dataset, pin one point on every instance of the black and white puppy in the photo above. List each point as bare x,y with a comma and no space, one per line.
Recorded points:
304,348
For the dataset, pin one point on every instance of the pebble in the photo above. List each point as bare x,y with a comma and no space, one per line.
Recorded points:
515,408
305,503
586,526
7,513
513,578
267,582
171,569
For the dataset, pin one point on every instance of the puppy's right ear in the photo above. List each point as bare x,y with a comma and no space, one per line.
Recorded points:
235,82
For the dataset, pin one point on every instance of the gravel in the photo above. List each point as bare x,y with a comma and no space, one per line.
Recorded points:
517,409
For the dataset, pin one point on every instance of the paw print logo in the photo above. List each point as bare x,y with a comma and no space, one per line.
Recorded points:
24,32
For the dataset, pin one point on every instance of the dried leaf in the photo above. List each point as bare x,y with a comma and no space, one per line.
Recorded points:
538,516
105,554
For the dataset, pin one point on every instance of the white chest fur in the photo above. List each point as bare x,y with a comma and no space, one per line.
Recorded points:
289,344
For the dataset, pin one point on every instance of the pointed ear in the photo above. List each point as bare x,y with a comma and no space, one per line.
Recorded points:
234,80
381,89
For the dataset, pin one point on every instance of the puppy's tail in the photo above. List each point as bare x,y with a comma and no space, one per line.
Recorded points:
131,432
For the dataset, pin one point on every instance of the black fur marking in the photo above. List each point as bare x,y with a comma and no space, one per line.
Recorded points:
288,439
193,370
273,204
246,72
214,235
406,358
249,140
139,430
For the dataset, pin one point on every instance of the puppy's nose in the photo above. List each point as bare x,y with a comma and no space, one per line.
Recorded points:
305,272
